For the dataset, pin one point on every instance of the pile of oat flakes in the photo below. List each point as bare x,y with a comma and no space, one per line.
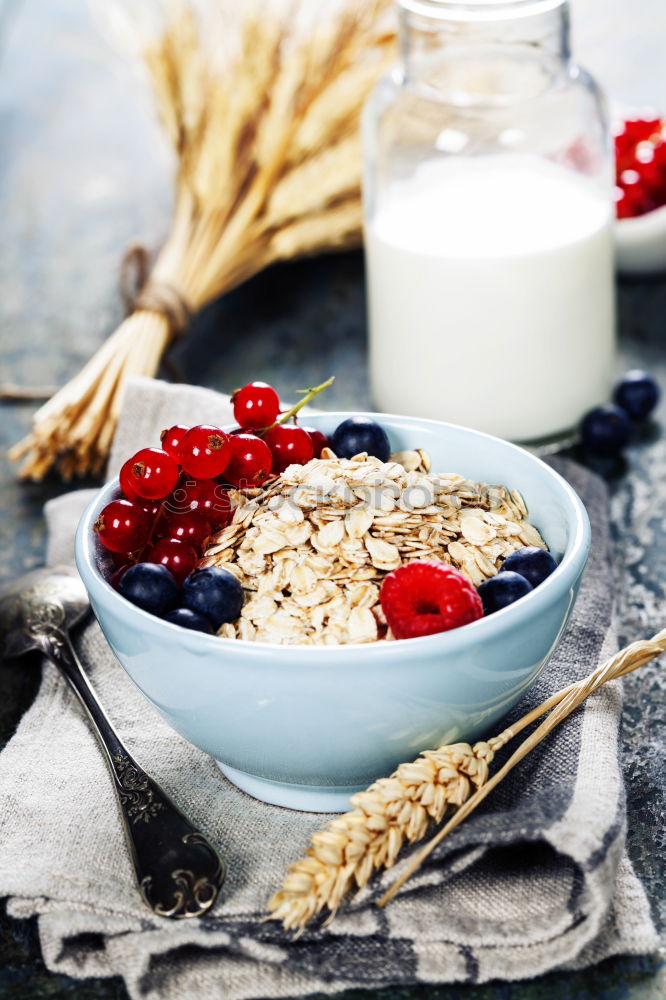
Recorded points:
312,549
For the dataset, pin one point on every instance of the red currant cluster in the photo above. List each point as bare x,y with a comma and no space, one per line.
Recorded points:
640,163
175,496
256,409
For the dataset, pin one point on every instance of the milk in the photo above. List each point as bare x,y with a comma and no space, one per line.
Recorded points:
490,284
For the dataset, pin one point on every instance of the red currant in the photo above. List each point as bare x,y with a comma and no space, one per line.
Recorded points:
123,526
251,461
630,182
319,440
126,481
117,559
623,145
178,557
152,473
256,405
623,204
290,445
642,126
170,440
153,507
205,451
190,527
204,496
646,166
659,146
119,574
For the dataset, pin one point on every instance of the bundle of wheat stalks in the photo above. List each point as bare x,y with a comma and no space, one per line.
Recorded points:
268,169
399,810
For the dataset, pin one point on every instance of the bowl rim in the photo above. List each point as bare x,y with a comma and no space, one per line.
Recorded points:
483,629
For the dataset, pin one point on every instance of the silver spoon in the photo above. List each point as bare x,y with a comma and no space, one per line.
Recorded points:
178,871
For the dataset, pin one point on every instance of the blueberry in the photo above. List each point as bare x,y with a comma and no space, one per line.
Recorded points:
357,434
531,562
189,619
501,590
150,586
605,430
637,393
215,593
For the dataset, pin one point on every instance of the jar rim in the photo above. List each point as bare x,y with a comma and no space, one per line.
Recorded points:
479,10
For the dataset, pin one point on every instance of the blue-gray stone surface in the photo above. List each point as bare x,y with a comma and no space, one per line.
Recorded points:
84,170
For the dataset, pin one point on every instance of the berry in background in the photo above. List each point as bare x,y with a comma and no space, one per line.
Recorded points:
605,430
640,163
637,393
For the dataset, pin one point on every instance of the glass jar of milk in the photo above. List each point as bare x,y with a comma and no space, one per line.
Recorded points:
488,222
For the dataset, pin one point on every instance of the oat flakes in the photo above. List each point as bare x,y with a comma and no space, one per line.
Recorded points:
312,548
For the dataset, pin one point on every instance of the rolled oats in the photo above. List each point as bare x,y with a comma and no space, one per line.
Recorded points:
311,549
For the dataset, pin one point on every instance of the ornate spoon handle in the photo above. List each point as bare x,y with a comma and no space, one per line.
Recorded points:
178,871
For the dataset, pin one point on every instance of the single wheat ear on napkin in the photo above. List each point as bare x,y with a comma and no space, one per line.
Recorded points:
399,809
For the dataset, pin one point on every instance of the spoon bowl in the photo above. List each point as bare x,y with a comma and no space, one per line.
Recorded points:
41,600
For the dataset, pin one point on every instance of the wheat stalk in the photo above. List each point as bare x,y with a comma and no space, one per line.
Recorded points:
398,810
268,168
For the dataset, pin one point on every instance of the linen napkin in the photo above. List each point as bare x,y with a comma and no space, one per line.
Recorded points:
537,879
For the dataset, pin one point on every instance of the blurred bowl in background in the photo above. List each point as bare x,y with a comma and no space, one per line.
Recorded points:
640,243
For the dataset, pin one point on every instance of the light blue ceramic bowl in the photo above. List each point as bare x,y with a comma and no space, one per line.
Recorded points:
306,727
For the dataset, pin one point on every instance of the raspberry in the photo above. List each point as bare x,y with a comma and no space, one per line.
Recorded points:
422,598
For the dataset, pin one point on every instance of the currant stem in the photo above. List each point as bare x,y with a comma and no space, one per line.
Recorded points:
309,394
136,555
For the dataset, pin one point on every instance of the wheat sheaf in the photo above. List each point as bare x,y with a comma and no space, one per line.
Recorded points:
268,168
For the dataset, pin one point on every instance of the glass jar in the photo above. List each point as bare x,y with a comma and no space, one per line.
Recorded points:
488,222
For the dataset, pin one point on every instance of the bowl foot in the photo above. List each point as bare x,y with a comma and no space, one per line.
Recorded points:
307,798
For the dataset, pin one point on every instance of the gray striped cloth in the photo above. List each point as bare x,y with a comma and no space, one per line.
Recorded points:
537,879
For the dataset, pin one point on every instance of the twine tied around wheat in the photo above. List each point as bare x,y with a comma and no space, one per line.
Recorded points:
398,810
138,291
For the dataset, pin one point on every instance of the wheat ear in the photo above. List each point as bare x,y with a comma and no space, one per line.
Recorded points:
399,809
